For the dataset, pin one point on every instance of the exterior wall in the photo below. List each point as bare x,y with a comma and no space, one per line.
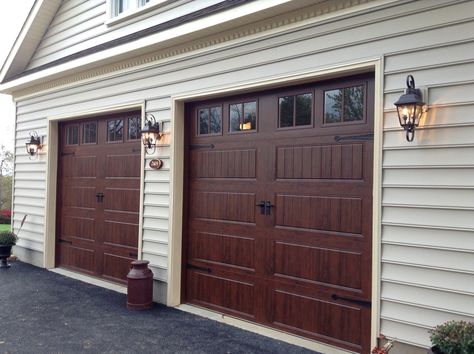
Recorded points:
427,273
79,25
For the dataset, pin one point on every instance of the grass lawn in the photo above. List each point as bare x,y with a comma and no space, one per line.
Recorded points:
4,227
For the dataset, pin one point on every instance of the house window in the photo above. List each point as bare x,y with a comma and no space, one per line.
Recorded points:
115,130
243,116
119,7
209,120
295,110
344,105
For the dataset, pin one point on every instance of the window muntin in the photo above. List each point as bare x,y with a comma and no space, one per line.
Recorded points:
344,105
115,130
125,7
209,120
243,116
72,134
133,128
295,110
89,133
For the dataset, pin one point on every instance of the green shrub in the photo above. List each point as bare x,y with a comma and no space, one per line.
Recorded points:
454,337
8,238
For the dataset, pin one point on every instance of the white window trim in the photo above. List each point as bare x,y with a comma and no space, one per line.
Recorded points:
133,11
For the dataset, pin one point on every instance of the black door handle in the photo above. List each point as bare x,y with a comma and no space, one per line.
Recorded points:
268,206
265,206
100,197
262,206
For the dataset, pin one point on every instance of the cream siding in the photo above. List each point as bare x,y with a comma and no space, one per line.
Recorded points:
427,247
79,25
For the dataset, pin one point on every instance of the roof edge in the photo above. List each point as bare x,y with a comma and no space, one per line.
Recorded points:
22,51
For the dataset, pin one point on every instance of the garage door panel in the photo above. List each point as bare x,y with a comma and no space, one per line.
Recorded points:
223,228
121,234
226,185
222,206
223,249
123,165
80,197
336,267
221,293
121,199
319,213
318,318
78,227
238,163
121,216
76,257
78,167
319,161
116,267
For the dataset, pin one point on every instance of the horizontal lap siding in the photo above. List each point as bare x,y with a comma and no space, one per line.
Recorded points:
427,197
80,25
428,193
156,211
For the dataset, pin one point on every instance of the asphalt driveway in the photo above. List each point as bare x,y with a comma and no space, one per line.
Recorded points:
44,312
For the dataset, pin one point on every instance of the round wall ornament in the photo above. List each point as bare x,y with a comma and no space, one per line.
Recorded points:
156,164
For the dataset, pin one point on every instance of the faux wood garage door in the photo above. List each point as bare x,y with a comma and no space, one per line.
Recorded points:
279,218
99,195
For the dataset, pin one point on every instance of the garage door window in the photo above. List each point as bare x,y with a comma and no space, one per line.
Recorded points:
115,130
72,135
295,110
344,105
89,133
243,116
209,120
133,128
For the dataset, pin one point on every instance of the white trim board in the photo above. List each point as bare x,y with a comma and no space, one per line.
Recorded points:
177,174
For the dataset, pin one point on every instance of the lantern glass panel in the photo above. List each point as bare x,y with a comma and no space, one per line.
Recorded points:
419,113
149,138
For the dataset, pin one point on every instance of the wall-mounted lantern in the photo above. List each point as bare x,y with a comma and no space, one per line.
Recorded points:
33,145
150,134
410,107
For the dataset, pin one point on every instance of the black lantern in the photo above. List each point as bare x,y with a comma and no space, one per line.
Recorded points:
410,108
150,134
33,145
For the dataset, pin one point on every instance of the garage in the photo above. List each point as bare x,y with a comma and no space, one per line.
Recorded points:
278,202
99,195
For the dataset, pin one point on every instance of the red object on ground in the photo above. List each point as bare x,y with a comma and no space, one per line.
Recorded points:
139,286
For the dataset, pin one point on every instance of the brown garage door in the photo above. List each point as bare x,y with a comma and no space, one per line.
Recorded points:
279,212
99,195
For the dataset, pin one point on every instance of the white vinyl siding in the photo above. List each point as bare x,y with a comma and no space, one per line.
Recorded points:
427,247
